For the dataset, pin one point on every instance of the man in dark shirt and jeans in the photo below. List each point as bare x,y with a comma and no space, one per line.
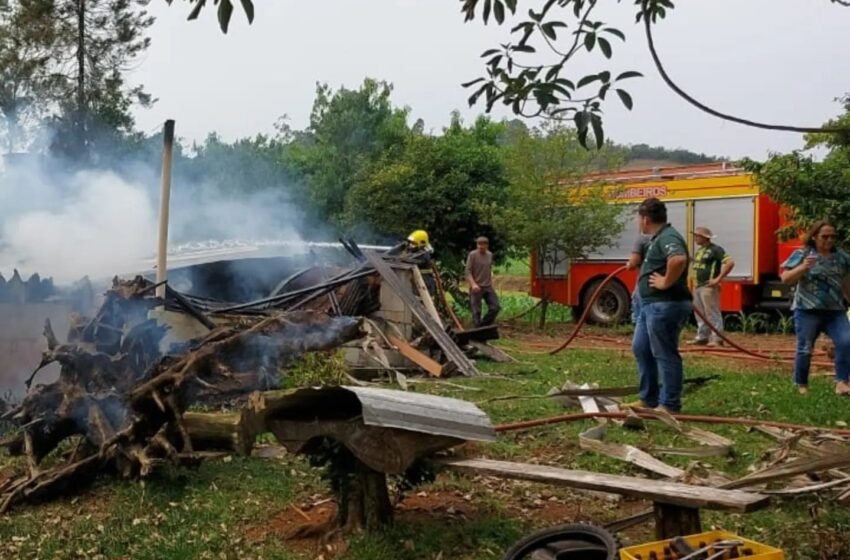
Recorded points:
665,309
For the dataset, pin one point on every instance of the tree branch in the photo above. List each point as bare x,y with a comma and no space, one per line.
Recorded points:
701,106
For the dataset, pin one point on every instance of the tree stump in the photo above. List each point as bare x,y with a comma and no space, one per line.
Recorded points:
227,431
674,521
364,502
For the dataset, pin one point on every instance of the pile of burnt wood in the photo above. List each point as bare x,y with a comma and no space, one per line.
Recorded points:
128,375
125,383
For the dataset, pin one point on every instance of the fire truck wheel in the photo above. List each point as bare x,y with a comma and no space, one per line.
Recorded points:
612,305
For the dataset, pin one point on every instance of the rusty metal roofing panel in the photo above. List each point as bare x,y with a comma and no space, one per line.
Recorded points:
424,413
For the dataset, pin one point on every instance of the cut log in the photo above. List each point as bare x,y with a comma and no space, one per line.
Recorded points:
235,432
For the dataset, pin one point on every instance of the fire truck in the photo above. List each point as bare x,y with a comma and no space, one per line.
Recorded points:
720,196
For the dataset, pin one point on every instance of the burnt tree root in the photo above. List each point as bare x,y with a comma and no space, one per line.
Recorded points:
124,399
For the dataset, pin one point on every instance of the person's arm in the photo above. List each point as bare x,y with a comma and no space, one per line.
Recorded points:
796,267
635,260
473,285
676,266
727,263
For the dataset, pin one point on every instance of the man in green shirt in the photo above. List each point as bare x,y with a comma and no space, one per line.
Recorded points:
665,309
711,265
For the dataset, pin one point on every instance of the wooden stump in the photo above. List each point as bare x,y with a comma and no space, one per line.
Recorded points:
674,521
231,431
364,503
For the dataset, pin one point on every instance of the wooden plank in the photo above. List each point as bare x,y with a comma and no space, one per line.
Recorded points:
425,362
791,469
630,454
425,296
672,493
492,353
674,521
452,351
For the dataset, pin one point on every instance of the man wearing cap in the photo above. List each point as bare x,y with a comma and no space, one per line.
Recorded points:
479,274
711,265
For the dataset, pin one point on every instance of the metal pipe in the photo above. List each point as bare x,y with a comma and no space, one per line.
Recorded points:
164,205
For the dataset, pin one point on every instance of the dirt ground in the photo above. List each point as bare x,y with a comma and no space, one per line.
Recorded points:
777,350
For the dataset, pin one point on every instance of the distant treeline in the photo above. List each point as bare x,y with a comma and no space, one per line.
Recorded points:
681,156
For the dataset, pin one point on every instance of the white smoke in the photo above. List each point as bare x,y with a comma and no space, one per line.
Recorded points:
96,224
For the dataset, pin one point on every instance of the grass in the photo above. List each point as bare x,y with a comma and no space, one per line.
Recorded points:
216,511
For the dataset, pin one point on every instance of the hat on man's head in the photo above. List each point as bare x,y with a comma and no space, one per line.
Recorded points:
703,232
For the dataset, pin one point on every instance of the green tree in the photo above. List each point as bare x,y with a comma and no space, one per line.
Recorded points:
812,190
550,209
437,183
103,38
349,129
26,35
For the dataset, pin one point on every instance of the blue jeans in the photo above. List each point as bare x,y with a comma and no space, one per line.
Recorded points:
635,307
656,349
809,324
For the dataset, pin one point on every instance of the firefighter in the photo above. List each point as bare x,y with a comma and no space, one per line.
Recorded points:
417,249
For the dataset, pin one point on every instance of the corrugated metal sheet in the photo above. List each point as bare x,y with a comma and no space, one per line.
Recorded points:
389,408
424,413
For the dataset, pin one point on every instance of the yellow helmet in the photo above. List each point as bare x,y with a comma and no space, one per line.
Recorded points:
419,238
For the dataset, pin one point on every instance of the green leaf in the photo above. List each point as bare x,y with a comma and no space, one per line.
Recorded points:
604,46
523,48
605,76
549,31
472,83
629,74
603,91
248,6
489,52
196,11
626,99
589,41
225,10
473,99
499,11
486,14
511,5
598,133
615,32
587,80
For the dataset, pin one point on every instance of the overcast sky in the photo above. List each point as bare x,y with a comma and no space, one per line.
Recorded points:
781,61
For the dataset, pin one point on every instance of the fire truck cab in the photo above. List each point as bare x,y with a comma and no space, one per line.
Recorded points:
719,196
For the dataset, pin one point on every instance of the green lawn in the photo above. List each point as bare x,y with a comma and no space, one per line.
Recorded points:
223,510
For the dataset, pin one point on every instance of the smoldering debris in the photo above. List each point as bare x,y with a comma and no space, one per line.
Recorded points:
120,397
130,372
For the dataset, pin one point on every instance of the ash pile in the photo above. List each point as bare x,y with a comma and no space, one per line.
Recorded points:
130,373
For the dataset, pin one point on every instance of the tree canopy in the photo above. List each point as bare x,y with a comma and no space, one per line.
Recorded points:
811,189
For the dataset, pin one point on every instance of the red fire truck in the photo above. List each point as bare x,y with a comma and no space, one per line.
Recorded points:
719,196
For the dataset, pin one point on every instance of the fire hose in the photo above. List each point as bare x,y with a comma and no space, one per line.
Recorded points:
608,279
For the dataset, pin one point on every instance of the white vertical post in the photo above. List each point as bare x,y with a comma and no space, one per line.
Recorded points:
164,204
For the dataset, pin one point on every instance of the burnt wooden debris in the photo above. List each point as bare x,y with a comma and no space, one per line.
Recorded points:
449,347
120,399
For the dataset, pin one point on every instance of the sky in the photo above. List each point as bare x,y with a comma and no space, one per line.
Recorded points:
777,61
